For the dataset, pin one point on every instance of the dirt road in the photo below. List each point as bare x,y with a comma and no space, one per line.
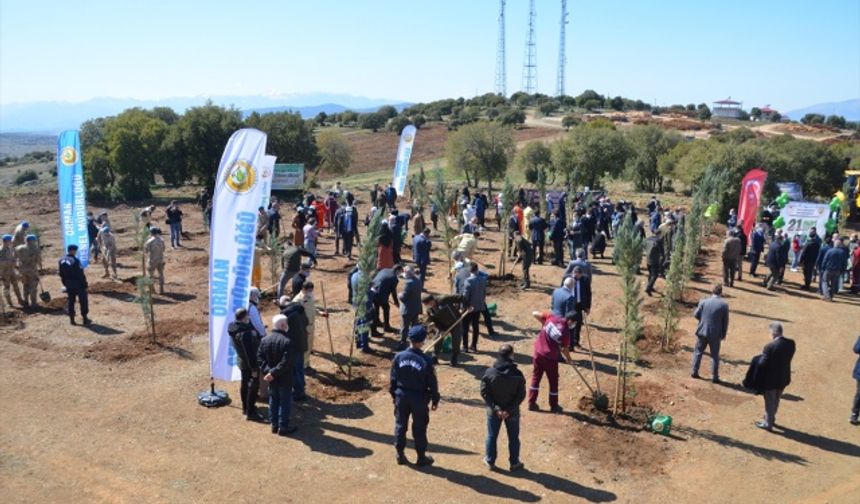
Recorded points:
101,414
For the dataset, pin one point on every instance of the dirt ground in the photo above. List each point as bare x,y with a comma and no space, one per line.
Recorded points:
103,414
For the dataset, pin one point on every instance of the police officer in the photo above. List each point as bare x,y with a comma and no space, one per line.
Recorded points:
29,263
107,243
154,251
75,281
413,386
7,271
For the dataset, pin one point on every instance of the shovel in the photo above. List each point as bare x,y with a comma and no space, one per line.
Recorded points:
598,398
44,295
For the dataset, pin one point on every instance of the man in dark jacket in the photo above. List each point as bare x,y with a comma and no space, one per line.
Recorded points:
537,228
855,409
346,229
412,386
581,299
246,343
654,260
421,246
757,242
297,321
444,312
819,261
75,281
276,365
503,388
774,373
808,256
773,262
384,287
391,195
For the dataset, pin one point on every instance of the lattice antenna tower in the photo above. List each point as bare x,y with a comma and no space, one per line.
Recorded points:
501,75
530,61
562,56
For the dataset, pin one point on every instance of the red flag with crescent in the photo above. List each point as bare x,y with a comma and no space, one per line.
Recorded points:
750,198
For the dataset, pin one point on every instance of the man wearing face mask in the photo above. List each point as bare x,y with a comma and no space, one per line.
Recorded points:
551,343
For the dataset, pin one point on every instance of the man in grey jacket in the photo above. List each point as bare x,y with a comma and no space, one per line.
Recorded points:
410,304
713,316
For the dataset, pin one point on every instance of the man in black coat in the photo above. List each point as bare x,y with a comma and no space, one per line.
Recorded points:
774,263
503,388
774,373
537,228
75,281
276,365
297,322
246,343
808,256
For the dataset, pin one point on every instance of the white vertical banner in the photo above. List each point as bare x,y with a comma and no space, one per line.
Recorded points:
266,179
237,195
404,152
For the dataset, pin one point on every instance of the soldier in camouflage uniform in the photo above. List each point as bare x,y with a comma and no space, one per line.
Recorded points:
8,277
29,263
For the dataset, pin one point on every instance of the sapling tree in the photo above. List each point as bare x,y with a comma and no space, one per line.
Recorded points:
629,249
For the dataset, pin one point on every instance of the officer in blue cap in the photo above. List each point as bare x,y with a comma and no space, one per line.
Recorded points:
413,386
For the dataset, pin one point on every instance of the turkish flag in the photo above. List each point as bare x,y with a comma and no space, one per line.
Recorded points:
750,198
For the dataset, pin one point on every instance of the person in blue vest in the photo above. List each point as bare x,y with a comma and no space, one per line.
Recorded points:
421,246
412,386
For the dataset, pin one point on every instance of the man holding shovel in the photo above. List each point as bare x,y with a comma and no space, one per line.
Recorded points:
446,313
552,342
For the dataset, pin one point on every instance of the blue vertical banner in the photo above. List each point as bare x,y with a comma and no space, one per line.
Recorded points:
73,194
404,152
237,196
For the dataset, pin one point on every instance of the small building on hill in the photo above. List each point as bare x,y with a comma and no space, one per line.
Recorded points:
769,114
728,109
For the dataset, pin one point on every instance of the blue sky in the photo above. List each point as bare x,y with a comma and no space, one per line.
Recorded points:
788,53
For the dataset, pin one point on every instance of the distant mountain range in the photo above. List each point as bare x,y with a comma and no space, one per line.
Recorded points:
849,109
53,117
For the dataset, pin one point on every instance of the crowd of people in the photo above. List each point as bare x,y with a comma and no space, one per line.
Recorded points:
277,359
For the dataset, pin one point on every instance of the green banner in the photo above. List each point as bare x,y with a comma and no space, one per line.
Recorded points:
288,177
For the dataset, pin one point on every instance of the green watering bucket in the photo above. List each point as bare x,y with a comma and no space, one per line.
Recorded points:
492,308
661,424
